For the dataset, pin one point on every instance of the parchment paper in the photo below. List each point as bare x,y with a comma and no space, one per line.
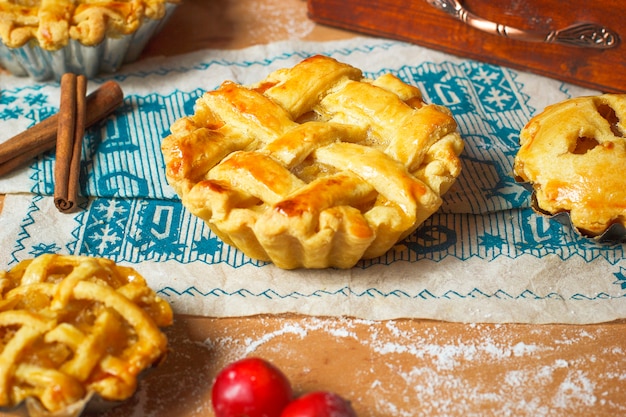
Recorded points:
484,257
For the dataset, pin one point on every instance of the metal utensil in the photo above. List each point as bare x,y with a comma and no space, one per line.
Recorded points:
585,35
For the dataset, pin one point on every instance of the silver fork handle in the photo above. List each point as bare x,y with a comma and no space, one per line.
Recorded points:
584,35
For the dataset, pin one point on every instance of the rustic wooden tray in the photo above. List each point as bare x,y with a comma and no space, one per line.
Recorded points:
421,23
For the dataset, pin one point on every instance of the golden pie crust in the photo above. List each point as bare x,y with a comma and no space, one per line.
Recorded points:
73,326
52,23
315,166
573,154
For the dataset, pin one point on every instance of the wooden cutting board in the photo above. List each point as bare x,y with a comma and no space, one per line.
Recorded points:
419,22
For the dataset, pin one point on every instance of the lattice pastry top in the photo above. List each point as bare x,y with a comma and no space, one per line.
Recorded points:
52,23
315,166
72,326
573,154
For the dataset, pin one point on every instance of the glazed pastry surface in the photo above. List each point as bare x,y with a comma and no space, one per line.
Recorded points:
315,166
573,154
74,326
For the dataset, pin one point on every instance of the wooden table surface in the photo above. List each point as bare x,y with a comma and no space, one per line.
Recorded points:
387,368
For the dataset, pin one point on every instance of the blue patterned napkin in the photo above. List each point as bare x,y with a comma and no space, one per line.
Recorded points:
485,256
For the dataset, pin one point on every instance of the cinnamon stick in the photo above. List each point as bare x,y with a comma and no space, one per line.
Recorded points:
42,136
70,132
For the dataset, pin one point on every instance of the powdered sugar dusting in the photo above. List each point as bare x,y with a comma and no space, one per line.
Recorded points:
577,388
400,368
447,375
273,20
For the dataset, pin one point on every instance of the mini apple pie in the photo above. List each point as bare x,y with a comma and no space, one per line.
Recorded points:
44,38
52,23
573,154
315,166
72,327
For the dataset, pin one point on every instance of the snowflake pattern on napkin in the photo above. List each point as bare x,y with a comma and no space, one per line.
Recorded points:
131,215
